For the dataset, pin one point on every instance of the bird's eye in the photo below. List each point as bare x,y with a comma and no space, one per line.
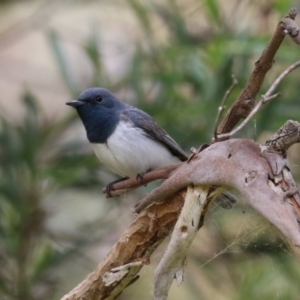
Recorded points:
98,99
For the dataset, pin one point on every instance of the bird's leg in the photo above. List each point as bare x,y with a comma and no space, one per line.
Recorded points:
110,188
140,176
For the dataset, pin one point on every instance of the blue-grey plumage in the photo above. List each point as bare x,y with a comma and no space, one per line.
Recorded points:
125,139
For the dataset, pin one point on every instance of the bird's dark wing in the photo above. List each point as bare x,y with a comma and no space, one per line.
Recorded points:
142,120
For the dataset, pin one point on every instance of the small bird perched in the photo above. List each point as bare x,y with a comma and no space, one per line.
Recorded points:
124,138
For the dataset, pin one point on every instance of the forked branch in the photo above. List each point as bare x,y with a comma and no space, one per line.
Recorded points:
241,164
268,96
244,104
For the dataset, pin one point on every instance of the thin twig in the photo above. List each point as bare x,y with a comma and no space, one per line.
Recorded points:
264,99
222,107
281,77
132,183
156,222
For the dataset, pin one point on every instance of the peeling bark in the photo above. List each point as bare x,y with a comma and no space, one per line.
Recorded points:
236,163
135,246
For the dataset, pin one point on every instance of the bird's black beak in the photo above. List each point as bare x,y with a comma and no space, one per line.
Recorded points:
75,103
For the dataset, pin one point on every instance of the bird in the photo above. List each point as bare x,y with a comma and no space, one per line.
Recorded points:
125,139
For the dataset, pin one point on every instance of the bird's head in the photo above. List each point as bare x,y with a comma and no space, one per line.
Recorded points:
99,111
96,99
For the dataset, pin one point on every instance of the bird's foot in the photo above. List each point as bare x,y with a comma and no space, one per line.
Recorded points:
140,176
110,186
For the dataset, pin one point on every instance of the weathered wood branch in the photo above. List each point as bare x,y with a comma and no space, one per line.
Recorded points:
244,104
136,245
264,99
241,164
280,181
172,264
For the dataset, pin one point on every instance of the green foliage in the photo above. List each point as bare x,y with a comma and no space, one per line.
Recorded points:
180,80
24,255
34,165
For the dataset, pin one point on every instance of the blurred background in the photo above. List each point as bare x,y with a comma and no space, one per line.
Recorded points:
173,59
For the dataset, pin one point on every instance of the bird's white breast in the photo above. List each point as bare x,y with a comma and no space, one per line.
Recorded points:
128,152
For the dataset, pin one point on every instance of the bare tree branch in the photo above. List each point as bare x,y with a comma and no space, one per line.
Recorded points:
264,99
222,107
241,164
172,264
132,183
246,100
281,77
